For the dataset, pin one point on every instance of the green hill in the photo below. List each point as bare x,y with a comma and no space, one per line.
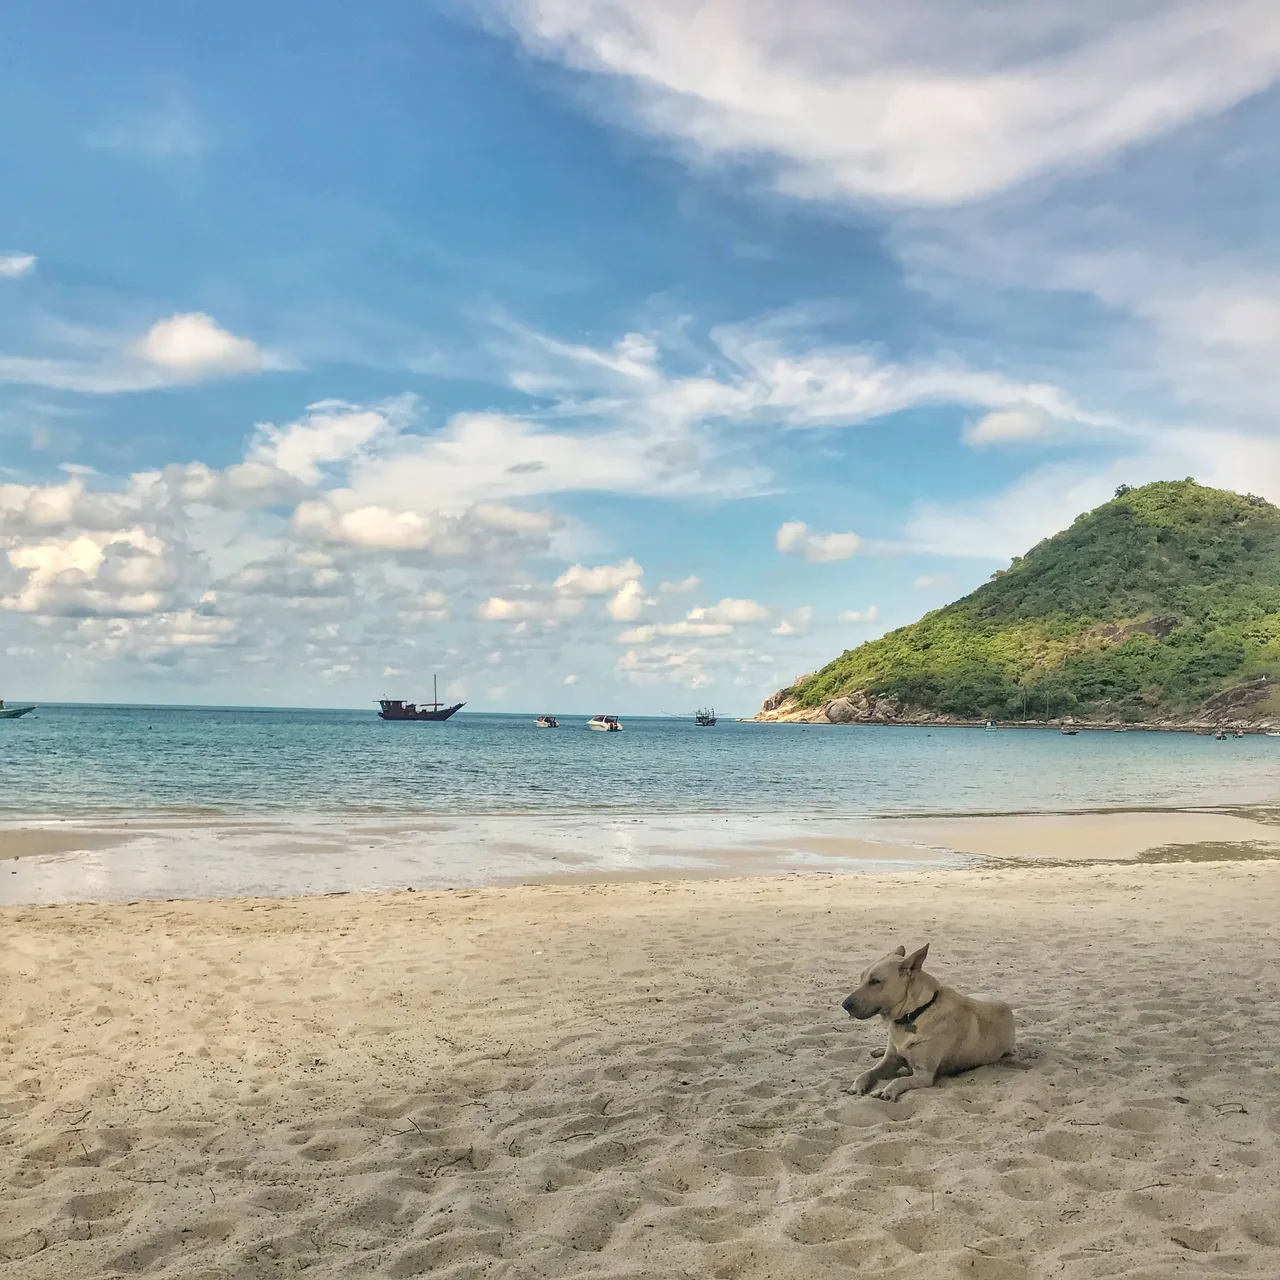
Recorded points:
1160,606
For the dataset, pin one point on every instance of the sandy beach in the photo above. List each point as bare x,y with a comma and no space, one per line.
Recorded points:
643,1080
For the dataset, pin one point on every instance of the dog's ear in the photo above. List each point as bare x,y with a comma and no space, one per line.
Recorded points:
901,951
913,962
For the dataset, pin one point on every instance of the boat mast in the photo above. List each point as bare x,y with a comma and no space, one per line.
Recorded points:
435,688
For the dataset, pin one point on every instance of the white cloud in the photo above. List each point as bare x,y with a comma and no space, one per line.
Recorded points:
629,603
194,345
497,609
332,431
122,573
730,611
485,532
161,637
501,609
682,587
795,623
616,448
926,581
182,348
684,629
1006,426
925,103
370,528
13,266
600,580
571,679
794,539
861,617
242,484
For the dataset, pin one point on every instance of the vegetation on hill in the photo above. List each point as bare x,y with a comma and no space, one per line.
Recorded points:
1144,609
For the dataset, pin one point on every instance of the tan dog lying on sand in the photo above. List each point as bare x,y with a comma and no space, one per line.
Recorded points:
933,1031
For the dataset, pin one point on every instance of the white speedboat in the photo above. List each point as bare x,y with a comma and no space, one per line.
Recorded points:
605,724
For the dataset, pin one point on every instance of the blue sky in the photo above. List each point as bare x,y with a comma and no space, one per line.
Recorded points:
600,355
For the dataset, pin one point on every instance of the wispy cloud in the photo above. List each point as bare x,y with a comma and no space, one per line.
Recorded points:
952,102
13,266
1016,424
168,132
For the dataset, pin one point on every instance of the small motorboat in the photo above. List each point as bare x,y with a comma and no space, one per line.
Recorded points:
547,722
990,726
605,724
13,713
1070,733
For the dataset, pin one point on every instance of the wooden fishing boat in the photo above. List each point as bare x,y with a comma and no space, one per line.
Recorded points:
395,709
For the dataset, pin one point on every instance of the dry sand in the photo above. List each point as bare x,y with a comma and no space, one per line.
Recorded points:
643,1080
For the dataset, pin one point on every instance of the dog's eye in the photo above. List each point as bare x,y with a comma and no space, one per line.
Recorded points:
873,982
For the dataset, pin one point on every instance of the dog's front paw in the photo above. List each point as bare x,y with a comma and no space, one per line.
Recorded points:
865,1083
891,1091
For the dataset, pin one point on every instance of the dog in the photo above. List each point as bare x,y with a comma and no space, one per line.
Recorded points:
933,1031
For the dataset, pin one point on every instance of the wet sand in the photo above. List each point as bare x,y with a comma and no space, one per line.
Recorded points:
63,861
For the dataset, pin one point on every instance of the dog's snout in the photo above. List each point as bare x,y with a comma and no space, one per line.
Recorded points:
847,1005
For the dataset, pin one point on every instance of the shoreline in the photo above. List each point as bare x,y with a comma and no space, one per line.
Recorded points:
642,1080
1249,729
83,860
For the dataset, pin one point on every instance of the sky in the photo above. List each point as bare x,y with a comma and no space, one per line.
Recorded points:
601,355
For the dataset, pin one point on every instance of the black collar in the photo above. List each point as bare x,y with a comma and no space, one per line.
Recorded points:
908,1021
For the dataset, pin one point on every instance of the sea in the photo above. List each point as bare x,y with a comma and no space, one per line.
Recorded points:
313,800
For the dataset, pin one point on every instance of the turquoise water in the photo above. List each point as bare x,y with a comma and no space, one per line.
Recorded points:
91,761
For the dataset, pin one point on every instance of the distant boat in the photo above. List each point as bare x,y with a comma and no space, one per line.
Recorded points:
605,724
990,726
1239,733
1221,737
395,709
547,722
1273,733
705,718
12,713
1070,733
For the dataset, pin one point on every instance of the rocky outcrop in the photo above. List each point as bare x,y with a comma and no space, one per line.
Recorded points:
1240,702
774,702
859,707
1244,706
